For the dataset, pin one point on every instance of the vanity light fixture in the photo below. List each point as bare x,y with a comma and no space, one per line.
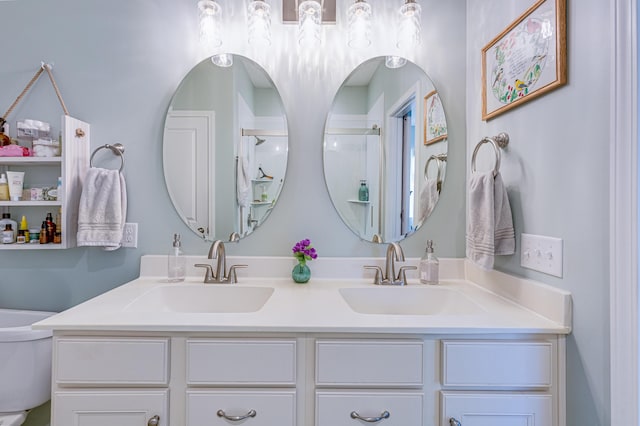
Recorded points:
223,60
409,25
394,61
359,18
309,23
210,17
259,17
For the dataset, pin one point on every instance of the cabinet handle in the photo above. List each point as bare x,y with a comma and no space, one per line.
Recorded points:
251,413
154,421
384,415
454,422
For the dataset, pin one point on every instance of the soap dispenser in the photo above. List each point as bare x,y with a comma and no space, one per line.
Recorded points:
429,266
176,262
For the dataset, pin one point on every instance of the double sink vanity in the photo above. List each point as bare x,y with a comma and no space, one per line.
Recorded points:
479,348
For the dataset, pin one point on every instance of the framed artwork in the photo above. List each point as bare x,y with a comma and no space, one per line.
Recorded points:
526,60
435,124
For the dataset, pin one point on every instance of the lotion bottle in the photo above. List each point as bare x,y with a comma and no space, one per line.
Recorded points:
177,263
429,266
4,188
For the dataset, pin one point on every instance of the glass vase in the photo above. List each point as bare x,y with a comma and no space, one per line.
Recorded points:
301,273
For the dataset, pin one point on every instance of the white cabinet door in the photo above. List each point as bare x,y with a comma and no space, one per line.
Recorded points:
493,409
110,408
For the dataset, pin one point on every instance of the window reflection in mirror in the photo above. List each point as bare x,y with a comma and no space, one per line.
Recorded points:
379,134
225,148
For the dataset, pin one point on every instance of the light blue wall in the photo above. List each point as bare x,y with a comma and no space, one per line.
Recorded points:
556,170
118,64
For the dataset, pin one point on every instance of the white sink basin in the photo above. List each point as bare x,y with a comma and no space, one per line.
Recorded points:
202,298
410,300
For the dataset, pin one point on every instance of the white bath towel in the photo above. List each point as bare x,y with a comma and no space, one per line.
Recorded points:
428,198
243,177
103,209
490,223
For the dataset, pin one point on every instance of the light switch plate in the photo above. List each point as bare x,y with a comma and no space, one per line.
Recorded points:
130,235
542,254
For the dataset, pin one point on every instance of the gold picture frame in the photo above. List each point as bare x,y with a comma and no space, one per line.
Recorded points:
435,124
526,60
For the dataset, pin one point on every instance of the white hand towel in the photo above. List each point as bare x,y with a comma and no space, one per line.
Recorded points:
243,183
490,224
428,198
103,209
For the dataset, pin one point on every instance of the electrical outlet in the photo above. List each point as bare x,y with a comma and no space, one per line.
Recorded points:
542,254
130,235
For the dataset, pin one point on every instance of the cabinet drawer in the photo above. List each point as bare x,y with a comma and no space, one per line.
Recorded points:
478,408
497,364
337,408
241,362
111,361
117,407
269,407
369,363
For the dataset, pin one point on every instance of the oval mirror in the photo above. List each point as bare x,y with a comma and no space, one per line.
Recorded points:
225,148
385,149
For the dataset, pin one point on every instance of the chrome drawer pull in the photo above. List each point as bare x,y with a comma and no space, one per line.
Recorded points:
251,413
385,415
154,421
454,422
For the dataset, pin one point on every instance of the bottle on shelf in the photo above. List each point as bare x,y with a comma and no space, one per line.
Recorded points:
363,191
24,226
43,233
176,262
6,220
8,236
429,266
51,228
4,188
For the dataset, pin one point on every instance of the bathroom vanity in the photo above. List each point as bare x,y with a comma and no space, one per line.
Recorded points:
480,348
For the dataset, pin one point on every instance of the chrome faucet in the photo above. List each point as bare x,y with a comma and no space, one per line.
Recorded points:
219,276
389,277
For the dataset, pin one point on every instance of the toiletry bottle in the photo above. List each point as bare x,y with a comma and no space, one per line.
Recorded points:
177,263
4,188
363,192
429,266
51,228
24,226
43,233
265,195
6,219
8,235
57,239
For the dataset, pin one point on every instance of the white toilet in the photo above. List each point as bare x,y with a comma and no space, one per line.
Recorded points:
25,365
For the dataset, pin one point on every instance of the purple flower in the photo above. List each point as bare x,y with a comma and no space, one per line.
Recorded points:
303,251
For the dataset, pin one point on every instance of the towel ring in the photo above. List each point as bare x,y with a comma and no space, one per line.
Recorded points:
500,141
440,159
116,148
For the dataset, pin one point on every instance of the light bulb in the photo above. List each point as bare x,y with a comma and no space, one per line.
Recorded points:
223,60
359,16
259,13
409,25
310,20
210,14
394,61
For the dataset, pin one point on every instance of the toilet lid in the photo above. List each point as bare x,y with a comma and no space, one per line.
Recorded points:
13,419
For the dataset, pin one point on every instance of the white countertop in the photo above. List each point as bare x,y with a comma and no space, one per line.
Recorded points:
508,304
